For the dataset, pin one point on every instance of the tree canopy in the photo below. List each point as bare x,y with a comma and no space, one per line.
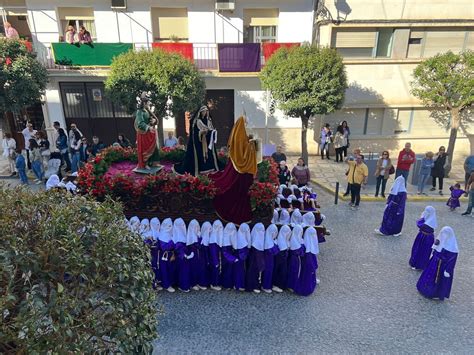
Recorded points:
22,78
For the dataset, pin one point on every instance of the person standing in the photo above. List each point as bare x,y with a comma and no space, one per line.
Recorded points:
326,135
421,250
406,158
307,280
36,161
84,150
9,147
301,173
10,32
425,171
356,177
28,133
339,144
171,141
96,146
394,212
271,249
470,189
256,259
438,169
347,133
284,174
468,167
44,145
382,172
20,166
62,146
279,156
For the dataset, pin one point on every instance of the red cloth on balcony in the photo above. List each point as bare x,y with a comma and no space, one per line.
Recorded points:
185,49
270,48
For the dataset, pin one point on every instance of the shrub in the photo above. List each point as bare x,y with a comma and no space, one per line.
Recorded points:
73,278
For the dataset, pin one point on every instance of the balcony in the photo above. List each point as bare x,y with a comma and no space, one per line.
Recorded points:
221,57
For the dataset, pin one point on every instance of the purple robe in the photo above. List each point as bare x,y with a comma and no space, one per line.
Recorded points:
280,271
228,260
267,276
256,265
239,268
320,233
453,201
187,269
166,267
214,263
203,260
432,282
307,281
294,267
394,214
421,250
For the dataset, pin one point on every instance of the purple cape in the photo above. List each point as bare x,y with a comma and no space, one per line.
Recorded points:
294,267
394,214
432,282
421,250
280,270
307,281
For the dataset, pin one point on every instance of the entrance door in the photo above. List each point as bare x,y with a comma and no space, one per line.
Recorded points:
221,105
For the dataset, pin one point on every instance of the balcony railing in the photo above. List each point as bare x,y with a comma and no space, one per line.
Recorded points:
225,57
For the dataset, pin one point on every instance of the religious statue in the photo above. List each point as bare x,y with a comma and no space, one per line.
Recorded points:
147,149
201,155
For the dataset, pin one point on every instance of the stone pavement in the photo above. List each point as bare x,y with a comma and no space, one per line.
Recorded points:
367,301
326,173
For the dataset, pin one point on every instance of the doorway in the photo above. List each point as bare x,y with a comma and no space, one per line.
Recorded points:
221,107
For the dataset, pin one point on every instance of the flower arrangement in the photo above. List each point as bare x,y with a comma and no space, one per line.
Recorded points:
267,171
262,194
172,154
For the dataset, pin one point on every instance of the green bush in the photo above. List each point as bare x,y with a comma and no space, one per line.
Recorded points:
73,278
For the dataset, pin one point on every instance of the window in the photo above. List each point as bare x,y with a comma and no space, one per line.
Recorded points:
404,121
384,43
439,41
415,43
355,119
169,24
363,43
374,120
260,25
77,17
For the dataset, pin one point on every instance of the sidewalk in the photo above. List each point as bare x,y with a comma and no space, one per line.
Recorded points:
12,181
326,173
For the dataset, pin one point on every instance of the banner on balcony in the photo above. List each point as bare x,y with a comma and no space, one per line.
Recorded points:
270,48
185,49
239,57
88,55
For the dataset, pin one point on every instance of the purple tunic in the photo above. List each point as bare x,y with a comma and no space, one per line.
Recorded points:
453,201
432,282
307,281
239,268
166,267
267,276
187,269
421,250
214,263
280,271
394,214
228,260
256,265
294,267
320,233
203,265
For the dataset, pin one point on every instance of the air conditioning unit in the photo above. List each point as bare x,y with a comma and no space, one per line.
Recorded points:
119,4
228,5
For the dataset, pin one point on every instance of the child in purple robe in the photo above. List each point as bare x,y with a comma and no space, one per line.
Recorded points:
134,224
165,240
155,251
256,260
284,217
296,218
456,193
437,279
228,258
182,266
204,278
280,270
276,217
240,245
215,245
297,250
309,199
394,212
421,250
192,254
307,280
270,250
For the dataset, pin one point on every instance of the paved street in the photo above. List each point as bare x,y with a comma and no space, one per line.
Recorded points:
367,300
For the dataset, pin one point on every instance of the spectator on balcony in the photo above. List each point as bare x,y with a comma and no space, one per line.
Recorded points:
84,36
123,141
10,32
71,35
171,141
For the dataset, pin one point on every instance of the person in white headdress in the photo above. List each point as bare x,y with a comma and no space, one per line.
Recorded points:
215,245
52,182
145,231
183,267
284,217
297,249
394,212
135,224
296,218
307,280
270,250
240,245
256,261
437,279
309,220
203,256
192,251
421,250
276,217
229,238
280,271
155,250
166,262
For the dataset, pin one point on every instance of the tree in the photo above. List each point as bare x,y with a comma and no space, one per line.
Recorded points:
22,78
73,277
305,81
166,75
445,84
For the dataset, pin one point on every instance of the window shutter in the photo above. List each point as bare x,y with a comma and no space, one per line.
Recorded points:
357,39
261,17
170,22
442,41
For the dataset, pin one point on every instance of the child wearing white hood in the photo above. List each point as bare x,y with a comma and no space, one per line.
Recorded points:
228,259
240,246
256,263
271,249
215,245
280,271
421,250
154,251
307,280
204,256
166,260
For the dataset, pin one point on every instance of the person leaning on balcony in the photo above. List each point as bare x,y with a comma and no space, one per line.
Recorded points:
71,35
84,36
10,32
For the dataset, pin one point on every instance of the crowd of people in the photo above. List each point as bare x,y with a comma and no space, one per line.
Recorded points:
195,257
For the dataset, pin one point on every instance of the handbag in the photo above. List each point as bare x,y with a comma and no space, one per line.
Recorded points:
391,171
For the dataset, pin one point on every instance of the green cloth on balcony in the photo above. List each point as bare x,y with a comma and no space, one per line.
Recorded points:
94,54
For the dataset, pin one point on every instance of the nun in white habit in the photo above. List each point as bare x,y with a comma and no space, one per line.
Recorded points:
256,264
166,260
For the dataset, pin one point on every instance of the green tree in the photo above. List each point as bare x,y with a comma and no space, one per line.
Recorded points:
445,84
73,277
22,78
164,74
305,81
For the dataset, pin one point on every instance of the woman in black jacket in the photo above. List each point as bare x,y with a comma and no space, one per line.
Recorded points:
438,170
